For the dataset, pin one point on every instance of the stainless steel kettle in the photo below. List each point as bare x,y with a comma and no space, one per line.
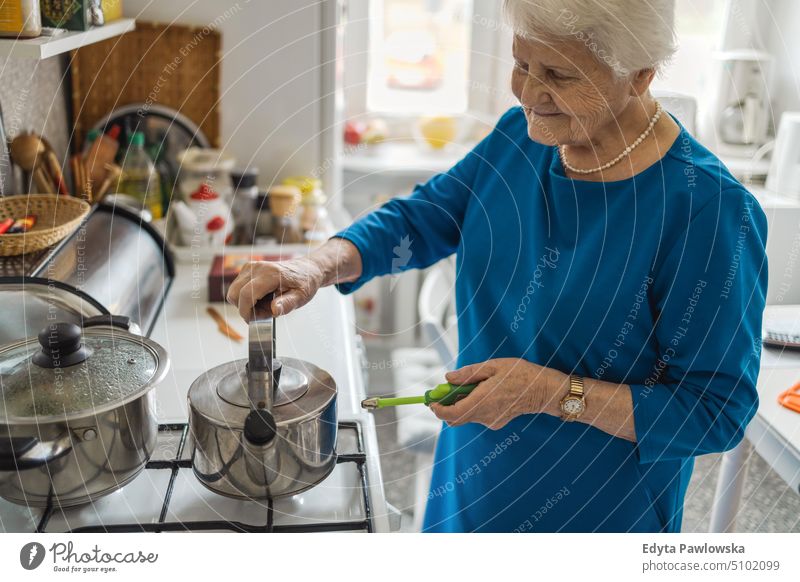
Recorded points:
263,428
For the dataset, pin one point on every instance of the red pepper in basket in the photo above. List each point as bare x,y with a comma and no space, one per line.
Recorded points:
22,224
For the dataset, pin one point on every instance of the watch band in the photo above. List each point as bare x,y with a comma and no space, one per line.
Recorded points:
576,386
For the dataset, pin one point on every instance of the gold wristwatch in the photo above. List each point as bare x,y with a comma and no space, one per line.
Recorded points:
574,403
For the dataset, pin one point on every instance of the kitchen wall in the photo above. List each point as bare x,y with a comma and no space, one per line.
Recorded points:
772,26
33,97
780,26
271,79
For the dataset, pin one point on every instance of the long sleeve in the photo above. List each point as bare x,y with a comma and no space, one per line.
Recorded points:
418,230
709,295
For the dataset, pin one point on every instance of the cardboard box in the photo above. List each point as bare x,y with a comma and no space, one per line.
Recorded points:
225,268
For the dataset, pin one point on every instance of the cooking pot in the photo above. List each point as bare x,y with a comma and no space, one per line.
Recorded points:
77,412
261,427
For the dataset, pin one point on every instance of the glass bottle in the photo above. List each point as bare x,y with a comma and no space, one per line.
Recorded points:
139,177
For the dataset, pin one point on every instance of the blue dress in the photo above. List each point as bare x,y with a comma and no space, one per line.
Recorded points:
657,281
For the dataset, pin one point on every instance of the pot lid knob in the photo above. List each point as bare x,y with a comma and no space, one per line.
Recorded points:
61,346
259,427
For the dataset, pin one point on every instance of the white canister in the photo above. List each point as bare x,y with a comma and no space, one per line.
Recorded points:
213,224
205,166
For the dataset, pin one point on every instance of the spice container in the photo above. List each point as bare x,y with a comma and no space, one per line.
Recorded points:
314,220
68,14
245,193
20,19
263,216
283,201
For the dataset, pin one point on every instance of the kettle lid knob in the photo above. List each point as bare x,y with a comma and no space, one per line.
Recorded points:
260,427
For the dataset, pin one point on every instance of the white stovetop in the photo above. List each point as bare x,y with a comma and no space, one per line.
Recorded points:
323,333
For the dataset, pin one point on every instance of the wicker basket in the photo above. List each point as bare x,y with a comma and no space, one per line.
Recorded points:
56,218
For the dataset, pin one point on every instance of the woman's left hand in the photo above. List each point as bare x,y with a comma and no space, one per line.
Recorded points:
508,388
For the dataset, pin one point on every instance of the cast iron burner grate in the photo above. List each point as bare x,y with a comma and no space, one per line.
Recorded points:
174,465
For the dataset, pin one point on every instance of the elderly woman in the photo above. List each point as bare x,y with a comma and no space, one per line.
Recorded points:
611,278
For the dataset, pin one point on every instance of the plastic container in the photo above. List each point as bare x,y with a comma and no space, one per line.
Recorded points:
139,177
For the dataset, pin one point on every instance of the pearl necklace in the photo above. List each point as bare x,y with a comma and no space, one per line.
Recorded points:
653,120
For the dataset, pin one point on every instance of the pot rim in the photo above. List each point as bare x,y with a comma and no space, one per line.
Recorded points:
163,362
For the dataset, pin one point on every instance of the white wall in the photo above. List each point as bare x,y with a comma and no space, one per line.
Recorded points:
271,79
780,25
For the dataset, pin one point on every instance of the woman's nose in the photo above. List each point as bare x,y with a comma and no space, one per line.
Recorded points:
534,92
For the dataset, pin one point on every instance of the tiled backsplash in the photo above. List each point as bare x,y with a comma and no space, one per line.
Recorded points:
33,95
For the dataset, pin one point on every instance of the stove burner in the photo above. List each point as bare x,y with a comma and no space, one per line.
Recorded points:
177,463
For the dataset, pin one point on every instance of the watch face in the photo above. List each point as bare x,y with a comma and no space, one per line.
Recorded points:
572,405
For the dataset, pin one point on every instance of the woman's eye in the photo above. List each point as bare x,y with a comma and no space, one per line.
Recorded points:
556,76
521,66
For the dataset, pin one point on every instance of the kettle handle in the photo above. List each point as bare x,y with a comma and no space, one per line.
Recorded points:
261,378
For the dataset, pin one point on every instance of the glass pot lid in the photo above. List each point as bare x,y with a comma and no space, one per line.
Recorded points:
69,372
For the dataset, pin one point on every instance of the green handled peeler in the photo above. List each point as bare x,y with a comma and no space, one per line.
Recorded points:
445,394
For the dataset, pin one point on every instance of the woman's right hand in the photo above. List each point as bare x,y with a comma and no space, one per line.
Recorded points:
294,283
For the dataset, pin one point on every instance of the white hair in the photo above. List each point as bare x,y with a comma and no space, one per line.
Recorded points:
627,35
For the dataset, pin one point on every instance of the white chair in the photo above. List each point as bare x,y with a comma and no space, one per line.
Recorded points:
436,312
420,369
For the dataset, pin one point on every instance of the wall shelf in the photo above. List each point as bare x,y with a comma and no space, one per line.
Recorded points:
45,47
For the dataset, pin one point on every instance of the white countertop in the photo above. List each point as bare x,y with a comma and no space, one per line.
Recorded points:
775,430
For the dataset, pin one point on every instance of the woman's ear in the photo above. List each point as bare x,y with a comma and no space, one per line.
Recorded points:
640,82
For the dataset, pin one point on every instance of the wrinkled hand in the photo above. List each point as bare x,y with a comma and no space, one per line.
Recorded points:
508,387
294,283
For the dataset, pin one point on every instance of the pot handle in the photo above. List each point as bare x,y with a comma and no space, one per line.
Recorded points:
20,453
109,320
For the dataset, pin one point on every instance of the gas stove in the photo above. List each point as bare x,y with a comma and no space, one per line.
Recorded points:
166,497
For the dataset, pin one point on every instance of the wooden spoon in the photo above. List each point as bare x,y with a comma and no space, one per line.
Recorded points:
30,152
223,326
25,149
